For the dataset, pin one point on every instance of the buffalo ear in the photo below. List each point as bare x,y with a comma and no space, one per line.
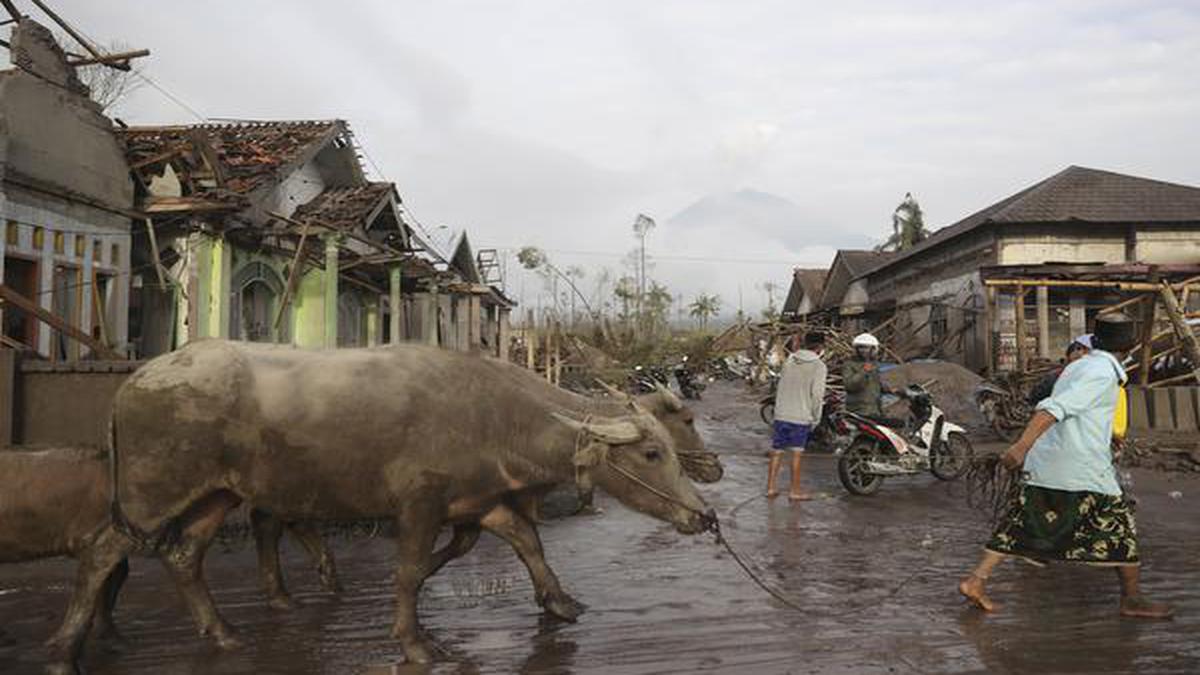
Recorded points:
613,431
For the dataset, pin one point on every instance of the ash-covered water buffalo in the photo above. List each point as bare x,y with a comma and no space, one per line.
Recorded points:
53,502
425,436
697,461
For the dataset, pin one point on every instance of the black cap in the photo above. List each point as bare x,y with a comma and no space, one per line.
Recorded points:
1115,332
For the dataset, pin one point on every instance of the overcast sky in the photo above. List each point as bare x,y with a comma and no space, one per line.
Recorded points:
554,123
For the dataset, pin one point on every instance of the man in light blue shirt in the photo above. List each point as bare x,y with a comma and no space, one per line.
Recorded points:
1071,507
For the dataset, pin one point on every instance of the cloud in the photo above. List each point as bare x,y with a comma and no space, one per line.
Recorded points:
555,123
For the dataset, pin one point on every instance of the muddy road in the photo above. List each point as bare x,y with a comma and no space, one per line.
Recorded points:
876,577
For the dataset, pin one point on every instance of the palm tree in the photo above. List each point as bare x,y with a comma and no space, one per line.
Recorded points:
704,307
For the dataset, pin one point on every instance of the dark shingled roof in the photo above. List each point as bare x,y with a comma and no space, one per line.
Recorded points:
810,281
1077,195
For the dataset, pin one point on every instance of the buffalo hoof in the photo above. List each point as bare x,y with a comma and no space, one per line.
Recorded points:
281,602
418,651
63,669
331,584
227,639
563,607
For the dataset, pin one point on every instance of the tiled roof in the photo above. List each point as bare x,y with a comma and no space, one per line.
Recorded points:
859,263
1077,194
247,155
344,207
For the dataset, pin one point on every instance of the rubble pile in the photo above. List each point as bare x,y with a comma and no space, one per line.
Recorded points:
1149,453
952,386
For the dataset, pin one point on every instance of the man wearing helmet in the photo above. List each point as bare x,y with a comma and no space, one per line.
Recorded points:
860,377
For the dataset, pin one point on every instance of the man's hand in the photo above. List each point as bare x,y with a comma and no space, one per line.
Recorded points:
1015,456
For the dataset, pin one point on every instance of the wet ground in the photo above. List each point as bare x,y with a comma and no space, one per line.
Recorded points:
876,576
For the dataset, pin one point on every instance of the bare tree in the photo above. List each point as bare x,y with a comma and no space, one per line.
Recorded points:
108,85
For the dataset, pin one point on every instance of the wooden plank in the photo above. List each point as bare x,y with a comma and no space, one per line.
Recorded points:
111,59
1185,409
1139,411
1147,352
1043,320
1019,303
1160,404
290,288
989,329
1182,330
31,308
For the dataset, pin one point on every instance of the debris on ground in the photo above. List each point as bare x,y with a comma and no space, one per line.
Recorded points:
1160,455
951,385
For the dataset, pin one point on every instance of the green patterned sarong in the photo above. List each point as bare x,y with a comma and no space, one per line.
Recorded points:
1088,527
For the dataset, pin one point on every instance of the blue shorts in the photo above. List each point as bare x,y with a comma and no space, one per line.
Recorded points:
789,435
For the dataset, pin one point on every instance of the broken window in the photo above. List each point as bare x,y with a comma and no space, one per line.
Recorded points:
256,293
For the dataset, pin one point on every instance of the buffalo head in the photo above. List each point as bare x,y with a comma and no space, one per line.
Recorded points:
699,463
633,458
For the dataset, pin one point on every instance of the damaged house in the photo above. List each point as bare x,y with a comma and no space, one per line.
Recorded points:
65,208
1040,263
270,231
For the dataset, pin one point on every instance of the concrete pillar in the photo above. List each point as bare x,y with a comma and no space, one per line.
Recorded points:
463,329
3,245
474,322
1078,315
429,318
502,333
396,318
373,323
1043,319
8,403
220,274
332,245
46,290
87,292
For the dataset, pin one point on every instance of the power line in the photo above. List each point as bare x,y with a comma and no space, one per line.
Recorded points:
672,258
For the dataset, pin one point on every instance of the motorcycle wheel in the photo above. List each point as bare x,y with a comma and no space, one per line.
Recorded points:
853,470
767,413
949,459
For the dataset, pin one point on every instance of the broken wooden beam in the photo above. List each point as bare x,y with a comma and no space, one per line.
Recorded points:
1182,330
115,60
15,299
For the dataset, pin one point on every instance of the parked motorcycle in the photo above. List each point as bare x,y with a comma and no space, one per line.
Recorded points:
924,441
831,433
640,381
690,385
1005,412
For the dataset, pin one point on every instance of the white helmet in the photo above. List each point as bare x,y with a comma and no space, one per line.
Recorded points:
866,340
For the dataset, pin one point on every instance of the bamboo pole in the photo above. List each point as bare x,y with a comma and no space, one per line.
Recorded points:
989,325
1144,286
1019,304
1182,329
1148,306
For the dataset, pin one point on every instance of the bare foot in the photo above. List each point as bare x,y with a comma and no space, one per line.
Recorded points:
799,496
772,494
972,589
1139,607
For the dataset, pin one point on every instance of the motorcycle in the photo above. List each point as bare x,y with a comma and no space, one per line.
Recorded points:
925,441
831,432
690,385
640,381
1005,412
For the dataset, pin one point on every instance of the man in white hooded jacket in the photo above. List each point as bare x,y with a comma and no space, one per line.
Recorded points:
798,401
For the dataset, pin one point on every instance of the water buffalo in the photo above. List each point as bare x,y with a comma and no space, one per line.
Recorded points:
698,463
53,501
421,435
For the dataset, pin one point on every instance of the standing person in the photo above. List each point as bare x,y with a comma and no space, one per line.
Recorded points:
860,377
1078,348
798,401
1071,507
